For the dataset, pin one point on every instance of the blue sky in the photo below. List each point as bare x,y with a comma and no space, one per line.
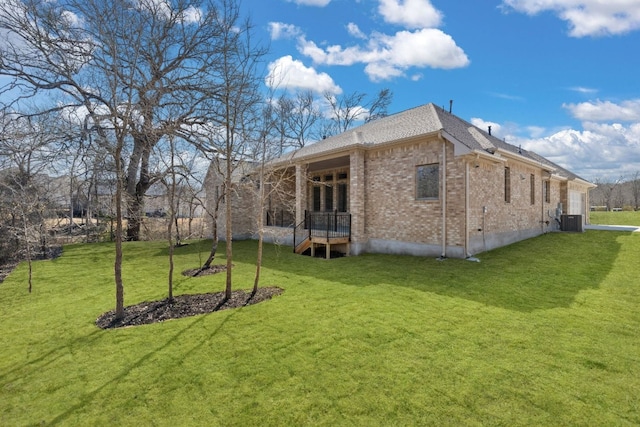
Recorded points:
559,77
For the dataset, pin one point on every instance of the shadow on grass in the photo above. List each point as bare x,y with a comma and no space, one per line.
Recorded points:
89,398
46,359
540,273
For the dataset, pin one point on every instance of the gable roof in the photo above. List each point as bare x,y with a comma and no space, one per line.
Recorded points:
422,120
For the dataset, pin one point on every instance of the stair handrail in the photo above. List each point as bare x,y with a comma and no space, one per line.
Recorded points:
300,234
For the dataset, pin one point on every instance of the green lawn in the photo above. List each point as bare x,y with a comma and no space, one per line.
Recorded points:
615,218
543,332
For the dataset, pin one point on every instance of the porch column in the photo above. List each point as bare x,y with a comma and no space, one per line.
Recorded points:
357,201
301,192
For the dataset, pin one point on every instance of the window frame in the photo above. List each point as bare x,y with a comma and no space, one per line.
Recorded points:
547,191
429,189
532,180
507,184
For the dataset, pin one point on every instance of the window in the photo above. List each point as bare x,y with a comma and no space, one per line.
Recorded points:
427,181
507,184
342,197
328,198
316,198
547,191
533,189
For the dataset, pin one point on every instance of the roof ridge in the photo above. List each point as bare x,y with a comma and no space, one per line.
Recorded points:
434,110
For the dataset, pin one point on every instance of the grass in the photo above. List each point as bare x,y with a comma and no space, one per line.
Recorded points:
546,331
615,218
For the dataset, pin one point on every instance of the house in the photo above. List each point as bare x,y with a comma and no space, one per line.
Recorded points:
421,182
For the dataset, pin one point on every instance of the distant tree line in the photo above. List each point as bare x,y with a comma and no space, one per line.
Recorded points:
621,193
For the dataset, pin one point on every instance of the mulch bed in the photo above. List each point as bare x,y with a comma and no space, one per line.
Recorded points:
183,306
197,272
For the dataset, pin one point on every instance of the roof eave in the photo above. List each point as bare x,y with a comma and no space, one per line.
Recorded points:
523,159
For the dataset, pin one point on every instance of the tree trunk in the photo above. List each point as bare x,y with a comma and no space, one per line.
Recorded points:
137,189
117,265
228,231
214,247
134,220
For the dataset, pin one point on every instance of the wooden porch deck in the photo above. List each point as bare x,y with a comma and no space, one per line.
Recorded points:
315,243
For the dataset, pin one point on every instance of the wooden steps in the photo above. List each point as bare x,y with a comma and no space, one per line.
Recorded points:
306,244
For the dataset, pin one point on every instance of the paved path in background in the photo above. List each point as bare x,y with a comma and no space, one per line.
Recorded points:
629,228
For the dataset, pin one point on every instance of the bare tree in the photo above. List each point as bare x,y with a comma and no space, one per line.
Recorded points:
160,59
297,120
608,189
378,107
347,109
635,190
142,70
26,149
237,110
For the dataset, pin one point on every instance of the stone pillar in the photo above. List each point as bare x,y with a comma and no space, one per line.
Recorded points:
357,201
301,192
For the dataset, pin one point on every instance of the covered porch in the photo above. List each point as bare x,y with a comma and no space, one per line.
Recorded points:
325,204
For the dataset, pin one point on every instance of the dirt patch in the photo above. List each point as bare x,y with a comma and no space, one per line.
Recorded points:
183,306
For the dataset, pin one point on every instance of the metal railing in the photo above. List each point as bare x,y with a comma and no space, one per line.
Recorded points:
322,224
280,218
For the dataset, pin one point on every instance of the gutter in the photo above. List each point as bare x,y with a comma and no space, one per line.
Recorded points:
519,157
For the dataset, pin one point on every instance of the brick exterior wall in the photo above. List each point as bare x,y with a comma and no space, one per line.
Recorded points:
244,205
393,212
387,215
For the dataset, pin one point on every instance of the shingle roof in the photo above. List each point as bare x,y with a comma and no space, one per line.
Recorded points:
421,120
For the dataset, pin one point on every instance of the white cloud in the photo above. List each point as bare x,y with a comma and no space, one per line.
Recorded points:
390,56
286,72
355,31
192,15
606,144
584,90
484,125
280,30
506,96
596,151
587,17
319,3
626,111
410,13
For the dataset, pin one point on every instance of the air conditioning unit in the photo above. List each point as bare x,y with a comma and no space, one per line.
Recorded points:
571,223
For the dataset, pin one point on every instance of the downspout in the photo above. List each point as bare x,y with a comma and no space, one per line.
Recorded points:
542,221
466,210
444,199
